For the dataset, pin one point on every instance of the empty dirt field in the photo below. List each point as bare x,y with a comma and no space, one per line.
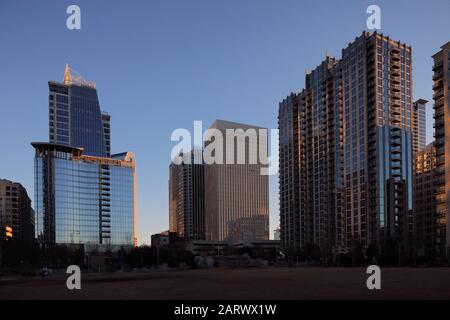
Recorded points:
236,284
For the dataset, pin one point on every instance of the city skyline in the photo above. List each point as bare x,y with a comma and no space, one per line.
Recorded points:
252,99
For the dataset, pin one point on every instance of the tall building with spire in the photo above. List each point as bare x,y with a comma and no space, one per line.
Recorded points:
84,195
346,151
75,117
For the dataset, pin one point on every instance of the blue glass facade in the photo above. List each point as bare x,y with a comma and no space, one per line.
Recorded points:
75,118
122,204
86,121
84,200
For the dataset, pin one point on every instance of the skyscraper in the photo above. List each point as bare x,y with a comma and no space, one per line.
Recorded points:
84,195
236,195
187,198
441,97
346,150
16,211
419,127
84,199
75,118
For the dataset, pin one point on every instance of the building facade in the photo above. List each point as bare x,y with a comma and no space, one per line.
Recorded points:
429,232
16,212
346,150
441,97
75,118
419,127
84,199
187,198
236,194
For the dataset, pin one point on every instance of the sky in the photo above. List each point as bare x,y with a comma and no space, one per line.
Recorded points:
161,65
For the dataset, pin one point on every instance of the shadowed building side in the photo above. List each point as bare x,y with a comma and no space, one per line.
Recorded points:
441,97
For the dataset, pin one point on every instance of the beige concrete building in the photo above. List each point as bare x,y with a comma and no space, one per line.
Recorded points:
236,195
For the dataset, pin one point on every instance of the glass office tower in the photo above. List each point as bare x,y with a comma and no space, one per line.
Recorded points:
84,195
75,118
84,199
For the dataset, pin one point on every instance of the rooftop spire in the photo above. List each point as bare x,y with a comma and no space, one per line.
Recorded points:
67,74
73,77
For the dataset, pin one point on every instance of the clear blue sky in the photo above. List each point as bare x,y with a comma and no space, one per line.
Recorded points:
160,65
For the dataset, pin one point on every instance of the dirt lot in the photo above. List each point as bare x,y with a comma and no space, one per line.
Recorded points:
268,283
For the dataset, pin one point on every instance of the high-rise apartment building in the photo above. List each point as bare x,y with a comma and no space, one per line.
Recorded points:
346,150
429,233
419,126
83,199
186,197
236,194
84,195
441,97
75,118
16,212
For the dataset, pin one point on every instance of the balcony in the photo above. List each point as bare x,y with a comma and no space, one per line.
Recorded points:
438,113
439,85
395,88
438,65
395,73
438,94
438,75
395,151
395,121
438,181
395,65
